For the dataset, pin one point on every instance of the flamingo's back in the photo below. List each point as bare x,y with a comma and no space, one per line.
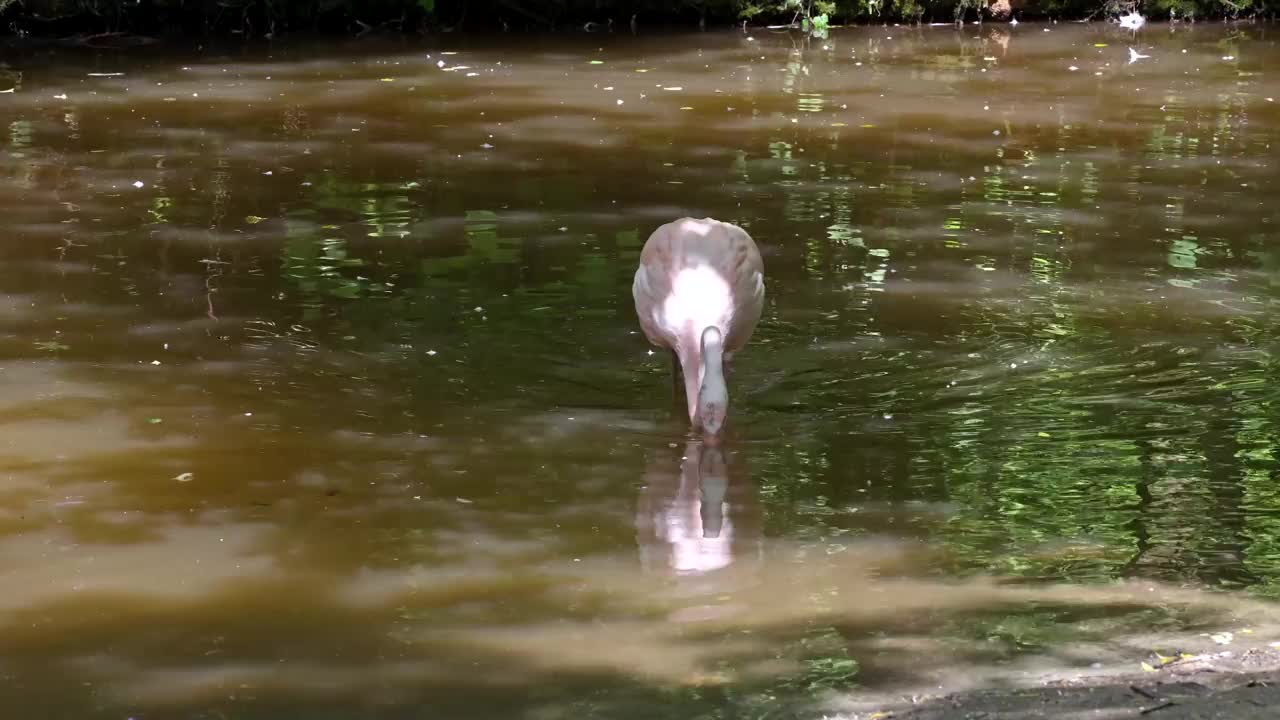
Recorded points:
694,274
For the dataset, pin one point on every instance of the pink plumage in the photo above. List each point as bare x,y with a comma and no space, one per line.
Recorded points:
694,275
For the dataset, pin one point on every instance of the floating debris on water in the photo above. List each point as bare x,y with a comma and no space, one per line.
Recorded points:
1132,21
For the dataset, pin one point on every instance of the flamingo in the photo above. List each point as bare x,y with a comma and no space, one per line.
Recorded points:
698,292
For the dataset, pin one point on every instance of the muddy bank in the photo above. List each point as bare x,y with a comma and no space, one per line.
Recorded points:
1232,684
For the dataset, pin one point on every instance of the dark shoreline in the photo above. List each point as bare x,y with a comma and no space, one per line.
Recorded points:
1227,685
139,46
30,24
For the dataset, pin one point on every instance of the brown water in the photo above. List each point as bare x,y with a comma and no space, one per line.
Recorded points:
323,394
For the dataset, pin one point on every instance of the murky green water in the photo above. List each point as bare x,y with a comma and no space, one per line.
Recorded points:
323,394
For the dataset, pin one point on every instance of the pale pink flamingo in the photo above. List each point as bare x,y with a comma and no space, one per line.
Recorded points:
699,291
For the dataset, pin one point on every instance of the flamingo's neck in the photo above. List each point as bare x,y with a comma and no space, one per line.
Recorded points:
712,346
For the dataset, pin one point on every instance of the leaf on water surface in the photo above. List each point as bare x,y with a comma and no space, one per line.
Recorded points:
185,477
387,79
253,219
51,345
154,421
595,62
1042,434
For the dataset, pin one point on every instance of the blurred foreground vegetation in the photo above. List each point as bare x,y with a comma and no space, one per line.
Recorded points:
122,21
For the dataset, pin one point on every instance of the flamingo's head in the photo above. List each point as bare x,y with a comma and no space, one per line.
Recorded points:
713,408
713,393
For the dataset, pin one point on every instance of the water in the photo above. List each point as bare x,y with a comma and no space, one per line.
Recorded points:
324,394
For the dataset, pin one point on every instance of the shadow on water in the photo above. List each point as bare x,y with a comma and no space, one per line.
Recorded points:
324,392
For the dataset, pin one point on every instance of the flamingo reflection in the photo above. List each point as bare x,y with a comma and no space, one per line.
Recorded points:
698,520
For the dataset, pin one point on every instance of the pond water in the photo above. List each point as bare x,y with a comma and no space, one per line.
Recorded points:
324,394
